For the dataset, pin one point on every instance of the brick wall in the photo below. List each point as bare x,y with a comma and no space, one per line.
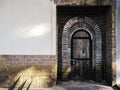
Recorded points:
92,13
105,18
40,69
82,2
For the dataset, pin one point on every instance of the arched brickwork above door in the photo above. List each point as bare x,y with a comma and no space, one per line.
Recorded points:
90,26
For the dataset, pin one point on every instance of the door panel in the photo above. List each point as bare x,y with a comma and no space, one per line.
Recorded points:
80,70
80,48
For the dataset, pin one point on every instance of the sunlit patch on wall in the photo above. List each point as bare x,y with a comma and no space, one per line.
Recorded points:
38,75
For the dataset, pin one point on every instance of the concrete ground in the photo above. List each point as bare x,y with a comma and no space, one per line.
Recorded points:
74,85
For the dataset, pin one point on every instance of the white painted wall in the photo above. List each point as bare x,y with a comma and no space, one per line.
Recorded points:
26,27
118,42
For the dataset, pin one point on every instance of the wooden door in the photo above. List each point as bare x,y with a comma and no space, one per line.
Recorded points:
81,55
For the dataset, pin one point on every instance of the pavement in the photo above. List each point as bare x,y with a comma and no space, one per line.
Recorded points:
74,85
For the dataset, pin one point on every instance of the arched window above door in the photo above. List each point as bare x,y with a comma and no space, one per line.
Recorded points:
81,33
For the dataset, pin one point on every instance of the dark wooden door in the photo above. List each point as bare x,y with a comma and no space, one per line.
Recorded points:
81,55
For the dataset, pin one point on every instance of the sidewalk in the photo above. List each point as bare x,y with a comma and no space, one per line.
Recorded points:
74,86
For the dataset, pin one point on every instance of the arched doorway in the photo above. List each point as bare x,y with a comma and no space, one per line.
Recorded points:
96,21
87,31
81,55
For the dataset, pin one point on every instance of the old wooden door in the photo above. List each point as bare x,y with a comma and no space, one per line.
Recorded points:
81,55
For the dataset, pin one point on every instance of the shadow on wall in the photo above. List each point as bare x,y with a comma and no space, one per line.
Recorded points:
40,75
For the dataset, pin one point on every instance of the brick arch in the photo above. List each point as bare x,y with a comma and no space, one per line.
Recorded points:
89,25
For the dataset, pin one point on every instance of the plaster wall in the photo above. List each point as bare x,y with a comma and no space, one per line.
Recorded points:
27,28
